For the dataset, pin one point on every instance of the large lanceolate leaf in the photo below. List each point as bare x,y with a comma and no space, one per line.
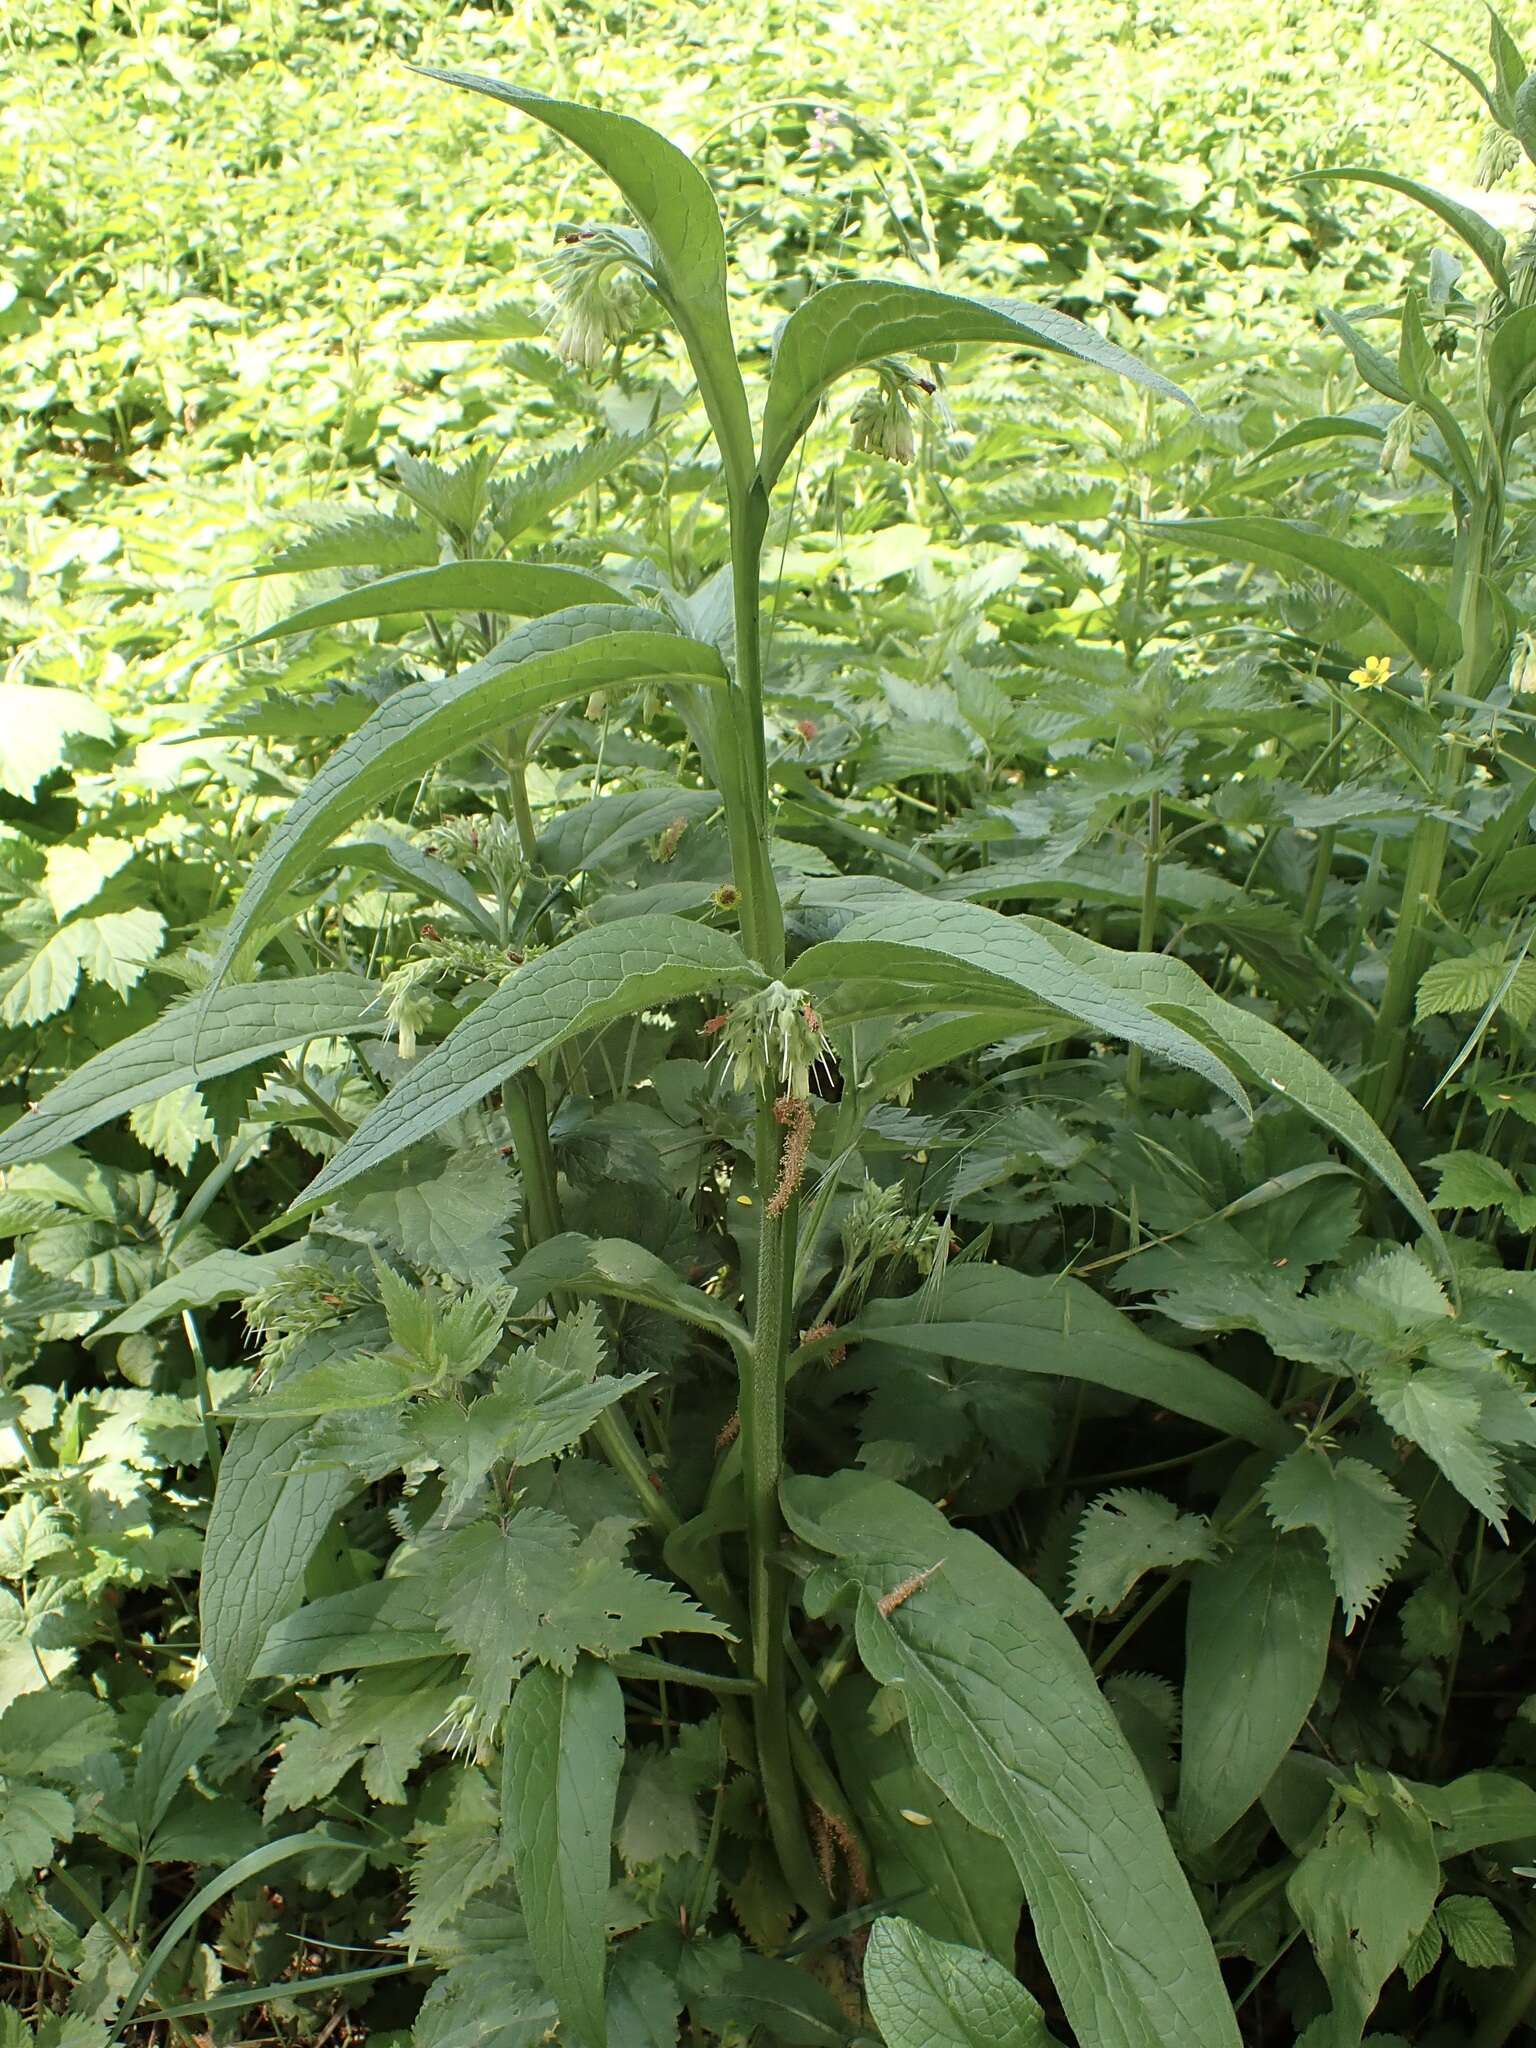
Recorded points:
1480,236
542,663
523,590
229,1030
263,1528
1006,1719
1257,1643
850,324
671,200
564,1744
1023,1322
845,326
1265,1053
1414,615
934,1994
606,972
962,956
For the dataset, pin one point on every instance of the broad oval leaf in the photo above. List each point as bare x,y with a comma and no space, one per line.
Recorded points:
1480,236
1411,613
1005,1717
522,590
1027,1322
955,956
605,972
1256,1644
539,664
847,325
926,1993
196,1041
672,201
563,1748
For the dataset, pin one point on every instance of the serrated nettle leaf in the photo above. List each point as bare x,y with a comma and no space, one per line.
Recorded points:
565,655
1362,1518
1255,1648
1363,1894
847,325
597,975
1124,1535
1005,1717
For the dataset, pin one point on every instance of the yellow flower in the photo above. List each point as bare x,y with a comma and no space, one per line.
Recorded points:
1374,674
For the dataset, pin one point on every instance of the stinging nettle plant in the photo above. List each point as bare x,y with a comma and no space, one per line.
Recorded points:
512,1613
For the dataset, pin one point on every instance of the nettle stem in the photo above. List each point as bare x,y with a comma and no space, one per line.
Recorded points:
527,1112
1477,545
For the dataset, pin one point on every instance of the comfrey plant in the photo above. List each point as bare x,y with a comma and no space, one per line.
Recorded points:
897,1739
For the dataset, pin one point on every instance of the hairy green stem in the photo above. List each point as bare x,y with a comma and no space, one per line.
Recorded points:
762,1453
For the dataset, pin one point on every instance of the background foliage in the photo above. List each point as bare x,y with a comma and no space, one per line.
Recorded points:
257,277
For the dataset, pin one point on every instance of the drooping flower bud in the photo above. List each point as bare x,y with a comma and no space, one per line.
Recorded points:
1396,459
774,1036
597,293
1522,666
881,424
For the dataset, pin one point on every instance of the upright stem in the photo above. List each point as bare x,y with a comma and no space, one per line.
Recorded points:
527,1113
1476,546
1146,936
762,1454
743,768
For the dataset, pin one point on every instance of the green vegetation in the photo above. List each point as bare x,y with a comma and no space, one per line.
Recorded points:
767,1028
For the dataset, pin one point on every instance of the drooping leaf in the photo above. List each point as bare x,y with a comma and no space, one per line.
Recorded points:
926,1993
522,590
1479,235
677,210
953,1879
221,1276
1006,1719
1256,1645
538,664
1025,1322
1413,614
857,321
563,1746
1362,1518
1273,1060
956,956
606,972
621,1271
238,1026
